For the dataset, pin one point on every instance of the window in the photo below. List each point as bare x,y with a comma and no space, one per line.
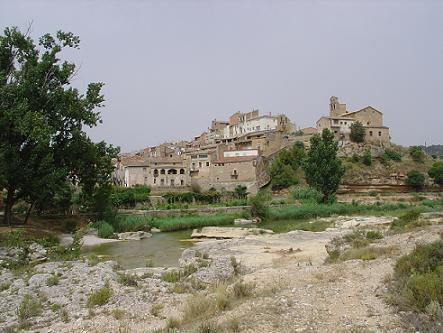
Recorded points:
155,173
162,182
172,172
182,171
155,180
379,133
370,133
207,163
162,171
346,122
172,182
182,182
335,132
199,164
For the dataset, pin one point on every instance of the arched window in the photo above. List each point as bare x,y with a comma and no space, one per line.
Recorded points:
172,172
182,171
162,171
155,172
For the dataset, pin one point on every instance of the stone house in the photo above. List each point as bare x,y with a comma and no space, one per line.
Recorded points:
340,120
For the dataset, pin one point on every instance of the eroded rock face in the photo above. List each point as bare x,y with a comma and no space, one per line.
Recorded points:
228,232
134,235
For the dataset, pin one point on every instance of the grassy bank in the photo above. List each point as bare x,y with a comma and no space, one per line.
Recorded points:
193,221
280,219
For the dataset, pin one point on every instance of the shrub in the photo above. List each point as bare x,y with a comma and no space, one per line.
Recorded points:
374,234
242,289
367,157
417,280
357,132
436,173
306,194
260,204
416,153
393,155
407,220
29,307
104,229
355,158
156,309
127,280
415,179
99,297
52,281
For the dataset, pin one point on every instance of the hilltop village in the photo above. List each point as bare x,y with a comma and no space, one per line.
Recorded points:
238,151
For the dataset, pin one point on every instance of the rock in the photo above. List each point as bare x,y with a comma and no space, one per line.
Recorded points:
243,221
39,280
228,232
36,252
135,235
155,230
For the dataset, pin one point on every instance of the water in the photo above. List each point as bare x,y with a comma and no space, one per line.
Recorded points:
163,249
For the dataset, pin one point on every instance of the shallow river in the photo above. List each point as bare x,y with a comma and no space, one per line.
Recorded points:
163,249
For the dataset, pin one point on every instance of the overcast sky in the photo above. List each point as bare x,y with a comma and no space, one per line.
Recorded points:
170,67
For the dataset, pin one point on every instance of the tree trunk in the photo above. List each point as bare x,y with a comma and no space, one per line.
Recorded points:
28,212
7,218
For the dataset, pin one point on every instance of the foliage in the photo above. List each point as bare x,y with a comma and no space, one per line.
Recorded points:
129,280
104,229
129,196
260,204
241,192
406,221
42,121
416,153
125,223
357,132
29,307
172,223
436,172
392,155
283,168
323,169
416,179
306,194
99,297
418,276
209,197
367,157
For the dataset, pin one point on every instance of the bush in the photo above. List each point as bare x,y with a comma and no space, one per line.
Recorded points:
104,229
407,220
29,307
417,280
129,196
367,157
436,173
416,153
260,204
355,158
127,280
99,297
306,194
393,155
415,179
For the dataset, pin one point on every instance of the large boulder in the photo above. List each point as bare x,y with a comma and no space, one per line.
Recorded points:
133,235
228,232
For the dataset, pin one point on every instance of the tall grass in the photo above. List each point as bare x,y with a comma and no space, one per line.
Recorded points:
173,223
312,210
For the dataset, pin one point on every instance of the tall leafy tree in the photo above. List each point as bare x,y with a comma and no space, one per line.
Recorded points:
284,167
323,169
42,117
357,132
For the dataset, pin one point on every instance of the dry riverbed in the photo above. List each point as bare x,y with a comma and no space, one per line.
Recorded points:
256,283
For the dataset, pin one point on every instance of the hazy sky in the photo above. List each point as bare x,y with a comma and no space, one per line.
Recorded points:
170,67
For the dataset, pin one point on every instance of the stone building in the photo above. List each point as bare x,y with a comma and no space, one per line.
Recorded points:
340,120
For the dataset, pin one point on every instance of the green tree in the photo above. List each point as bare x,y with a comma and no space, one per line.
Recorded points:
417,153
323,169
357,132
436,172
415,179
285,165
260,204
241,192
42,142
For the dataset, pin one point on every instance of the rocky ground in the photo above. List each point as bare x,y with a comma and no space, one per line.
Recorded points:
256,283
